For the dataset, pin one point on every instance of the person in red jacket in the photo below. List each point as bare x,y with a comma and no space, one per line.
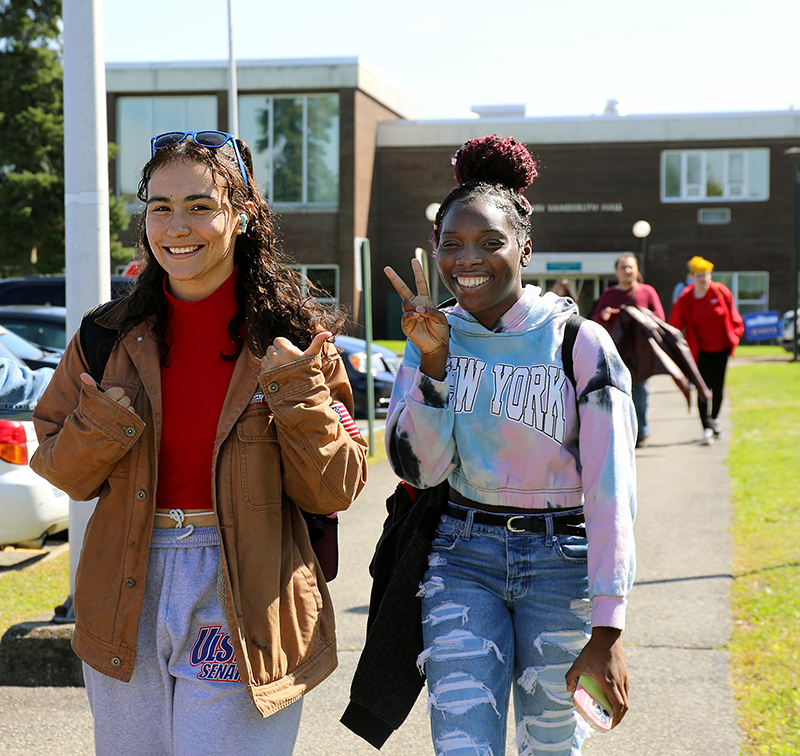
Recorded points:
630,290
707,315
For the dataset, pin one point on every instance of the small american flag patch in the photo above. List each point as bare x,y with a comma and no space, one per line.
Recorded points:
347,421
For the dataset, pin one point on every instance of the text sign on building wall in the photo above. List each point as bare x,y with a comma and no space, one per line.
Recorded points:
762,325
573,267
577,207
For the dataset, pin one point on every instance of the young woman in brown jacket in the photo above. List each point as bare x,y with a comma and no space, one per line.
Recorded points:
202,616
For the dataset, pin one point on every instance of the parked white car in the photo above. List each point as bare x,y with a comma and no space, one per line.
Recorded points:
30,508
787,326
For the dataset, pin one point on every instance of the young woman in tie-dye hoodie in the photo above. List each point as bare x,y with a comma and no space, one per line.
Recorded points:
533,560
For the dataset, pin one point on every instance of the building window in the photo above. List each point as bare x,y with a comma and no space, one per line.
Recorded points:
714,175
324,276
295,145
750,290
140,118
714,215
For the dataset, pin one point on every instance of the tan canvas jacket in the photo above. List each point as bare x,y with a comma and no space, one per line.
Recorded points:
279,445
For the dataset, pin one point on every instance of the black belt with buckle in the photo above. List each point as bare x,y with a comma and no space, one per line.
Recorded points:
573,524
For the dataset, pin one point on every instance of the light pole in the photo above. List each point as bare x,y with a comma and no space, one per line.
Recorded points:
794,154
641,230
233,87
433,272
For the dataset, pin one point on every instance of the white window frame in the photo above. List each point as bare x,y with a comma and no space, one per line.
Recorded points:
303,269
269,182
137,154
731,191
749,305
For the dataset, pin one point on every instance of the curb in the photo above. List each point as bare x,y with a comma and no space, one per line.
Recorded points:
39,653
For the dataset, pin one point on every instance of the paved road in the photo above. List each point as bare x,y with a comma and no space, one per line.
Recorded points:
679,620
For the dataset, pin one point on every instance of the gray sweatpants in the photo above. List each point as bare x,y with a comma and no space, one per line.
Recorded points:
185,697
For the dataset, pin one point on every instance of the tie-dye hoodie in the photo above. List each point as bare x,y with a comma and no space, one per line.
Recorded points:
505,429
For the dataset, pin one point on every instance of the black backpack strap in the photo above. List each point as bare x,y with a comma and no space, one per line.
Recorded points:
97,341
571,329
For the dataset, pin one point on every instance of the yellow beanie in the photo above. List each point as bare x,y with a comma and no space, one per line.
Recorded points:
699,264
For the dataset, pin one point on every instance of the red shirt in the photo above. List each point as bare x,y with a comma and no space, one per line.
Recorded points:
711,323
193,388
708,312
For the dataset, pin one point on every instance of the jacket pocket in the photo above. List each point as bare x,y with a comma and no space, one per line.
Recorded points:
260,458
123,467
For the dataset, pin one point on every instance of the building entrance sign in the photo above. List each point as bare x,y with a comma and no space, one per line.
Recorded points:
577,207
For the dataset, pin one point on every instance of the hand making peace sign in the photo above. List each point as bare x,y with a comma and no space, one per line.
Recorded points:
424,324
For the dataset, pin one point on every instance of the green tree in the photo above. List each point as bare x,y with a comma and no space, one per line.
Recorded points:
31,136
32,140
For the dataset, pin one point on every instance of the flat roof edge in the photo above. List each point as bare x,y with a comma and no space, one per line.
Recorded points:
259,75
592,129
264,62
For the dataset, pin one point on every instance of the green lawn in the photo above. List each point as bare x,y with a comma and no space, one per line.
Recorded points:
398,347
25,594
764,465
764,392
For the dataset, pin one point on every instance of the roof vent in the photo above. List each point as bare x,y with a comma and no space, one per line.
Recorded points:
499,111
612,108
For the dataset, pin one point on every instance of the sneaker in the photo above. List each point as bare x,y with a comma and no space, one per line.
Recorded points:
708,437
643,441
715,427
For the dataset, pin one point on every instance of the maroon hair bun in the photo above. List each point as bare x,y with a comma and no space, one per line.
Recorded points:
495,160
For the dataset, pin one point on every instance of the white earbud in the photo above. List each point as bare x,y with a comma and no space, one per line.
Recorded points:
242,223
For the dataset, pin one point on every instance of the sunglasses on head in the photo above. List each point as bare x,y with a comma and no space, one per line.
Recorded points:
212,139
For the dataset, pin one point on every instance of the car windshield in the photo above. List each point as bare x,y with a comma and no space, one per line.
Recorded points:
44,334
7,354
20,347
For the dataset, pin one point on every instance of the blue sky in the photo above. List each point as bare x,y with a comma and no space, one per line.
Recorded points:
560,57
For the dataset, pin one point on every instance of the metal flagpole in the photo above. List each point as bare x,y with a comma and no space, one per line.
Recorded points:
233,91
87,235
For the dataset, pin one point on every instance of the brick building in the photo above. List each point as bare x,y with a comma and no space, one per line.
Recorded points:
341,157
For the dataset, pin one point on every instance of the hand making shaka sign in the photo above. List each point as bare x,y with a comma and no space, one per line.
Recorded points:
424,325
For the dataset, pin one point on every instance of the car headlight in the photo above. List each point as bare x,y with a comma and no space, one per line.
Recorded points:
358,360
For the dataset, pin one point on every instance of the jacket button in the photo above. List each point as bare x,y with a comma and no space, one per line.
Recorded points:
130,582
115,661
273,388
130,431
141,495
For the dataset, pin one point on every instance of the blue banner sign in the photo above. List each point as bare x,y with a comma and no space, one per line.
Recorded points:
762,325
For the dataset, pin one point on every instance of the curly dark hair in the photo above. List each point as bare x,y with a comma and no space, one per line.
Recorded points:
274,300
497,169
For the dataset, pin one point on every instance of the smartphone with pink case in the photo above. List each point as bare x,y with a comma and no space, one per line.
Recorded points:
592,704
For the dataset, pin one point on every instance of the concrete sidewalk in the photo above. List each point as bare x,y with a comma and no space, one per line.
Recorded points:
678,619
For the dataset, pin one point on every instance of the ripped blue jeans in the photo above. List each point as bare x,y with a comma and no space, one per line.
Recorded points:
501,611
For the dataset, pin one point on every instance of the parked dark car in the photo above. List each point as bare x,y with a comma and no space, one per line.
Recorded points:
385,364
49,325
30,354
41,325
48,290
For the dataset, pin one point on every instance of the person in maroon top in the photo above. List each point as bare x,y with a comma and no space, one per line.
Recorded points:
708,317
630,290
